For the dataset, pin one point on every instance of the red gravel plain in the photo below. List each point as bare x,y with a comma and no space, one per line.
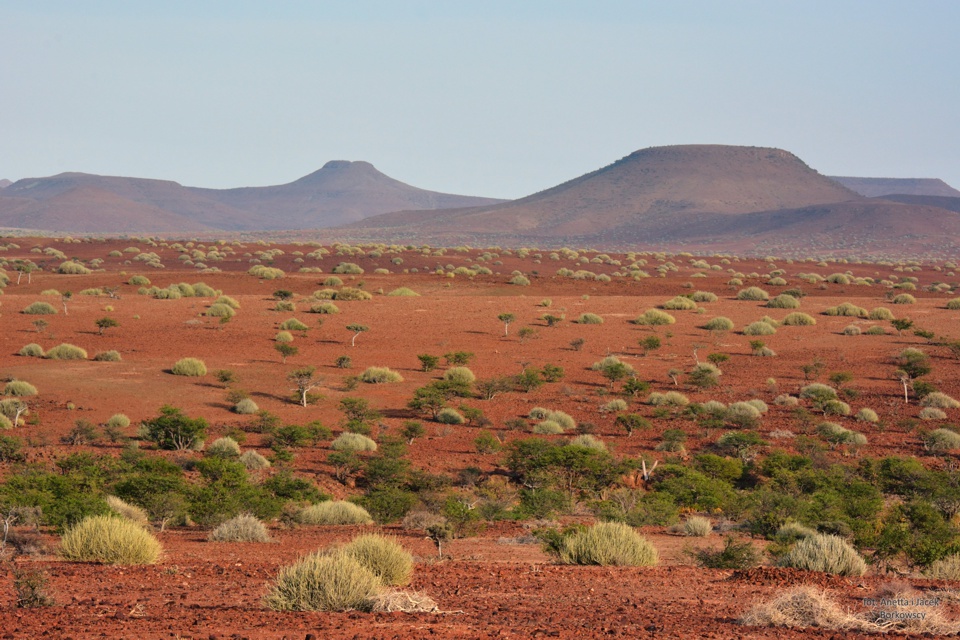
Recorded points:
488,586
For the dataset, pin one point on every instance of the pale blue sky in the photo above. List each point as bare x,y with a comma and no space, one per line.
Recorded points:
481,97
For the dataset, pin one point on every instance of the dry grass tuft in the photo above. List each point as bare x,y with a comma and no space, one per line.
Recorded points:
405,601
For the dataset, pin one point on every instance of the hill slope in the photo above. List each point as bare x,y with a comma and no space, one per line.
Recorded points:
339,193
875,187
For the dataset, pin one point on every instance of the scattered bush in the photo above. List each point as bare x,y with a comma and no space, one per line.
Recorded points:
109,540
246,407
880,313
389,561
349,294
325,307
324,582
826,553
380,375
522,281
73,268
697,526
242,528
846,309
459,376
939,400
589,318
759,328
292,324
128,511
107,356
66,352
867,415
752,293
704,296
904,298
654,317
548,428
227,300
720,323
798,319
606,544
353,442
39,309
20,388
680,303
589,442
783,301
32,350
189,367
225,447
253,461
614,405
333,512
404,292
448,415
941,440
851,330
118,421
931,413
946,568
220,310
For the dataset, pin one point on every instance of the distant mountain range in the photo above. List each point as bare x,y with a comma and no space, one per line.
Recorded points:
339,193
705,198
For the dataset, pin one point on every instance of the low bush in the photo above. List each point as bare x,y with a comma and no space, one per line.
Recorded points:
404,292
220,310
118,421
759,328
225,447
704,296
697,526
20,388
283,336
939,400
324,582
73,268
880,313
867,415
522,281
107,356
932,413
680,303
548,428
946,568
668,399
448,415
242,528
589,442
350,294
66,352
941,440
337,512
851,330
846,309
607,544
752,293
720,323
734,555
246,407
589,318
383,556
353,442
325,308
227,300
109,540
614,405
32,350
798,319
459,376
189,367
826,553
904,298
783,301
128,511
253,461
380,375
39,309
654,317
292,324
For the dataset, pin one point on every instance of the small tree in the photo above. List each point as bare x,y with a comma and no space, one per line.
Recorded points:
64,298
412,430
650,343
526,333
357,330
506,319
901,325
173,430
428,362
305,381
285,349
106,323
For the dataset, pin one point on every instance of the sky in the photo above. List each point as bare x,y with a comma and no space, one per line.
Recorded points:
498,98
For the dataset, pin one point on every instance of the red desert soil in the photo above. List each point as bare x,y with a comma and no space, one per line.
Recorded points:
488,586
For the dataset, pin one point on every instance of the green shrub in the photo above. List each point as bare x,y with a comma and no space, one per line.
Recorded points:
519,280
107,356
606,544
265,273
253,461
347,268
283,336
383,556
752,293
720,323
704,296
246,407
173,430
798,319
73,268
783,301
654,317
589,442
333,512
292,324
20,388
32,350
39,309
139,281
225,447
589,318
698,527
118,421
325,307
220,310
109,540
324,582
189,367
904,298
66,352
680,303
548,428
826,553
353,442
448,415
851,330
380,375
759,328
867,415
614,405
932,413
242,528
404,292
734,555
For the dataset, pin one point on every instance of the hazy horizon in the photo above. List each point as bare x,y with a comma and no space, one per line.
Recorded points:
486,99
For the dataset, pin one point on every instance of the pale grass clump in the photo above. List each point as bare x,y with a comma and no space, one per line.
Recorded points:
66,352
245,407
946,568
932,413
389,561
668,399
380,375
253,461
654,317
404,292
225,447
680,303
32,350
19,388
939,400
826,553
589,442
608,544
189,367
867,415
128,511
783,301
614,405
333,512
324,582
242,528
720,323
109,540
118,421
353,442
752,293
698,527
548,428
759,328
798,319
